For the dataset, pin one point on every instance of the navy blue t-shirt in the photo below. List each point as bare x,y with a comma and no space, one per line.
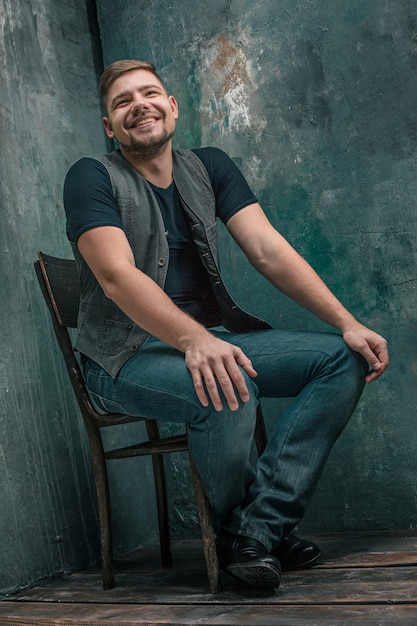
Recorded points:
89,203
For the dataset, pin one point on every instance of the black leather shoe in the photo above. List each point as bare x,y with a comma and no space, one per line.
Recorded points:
296,553
247,559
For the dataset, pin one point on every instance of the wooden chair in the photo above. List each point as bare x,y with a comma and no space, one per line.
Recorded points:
59,282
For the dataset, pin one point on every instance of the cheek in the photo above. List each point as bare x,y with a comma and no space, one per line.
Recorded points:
116,127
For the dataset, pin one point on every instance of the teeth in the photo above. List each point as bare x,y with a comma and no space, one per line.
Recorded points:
145,121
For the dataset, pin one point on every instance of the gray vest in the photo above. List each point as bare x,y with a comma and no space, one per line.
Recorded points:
105,333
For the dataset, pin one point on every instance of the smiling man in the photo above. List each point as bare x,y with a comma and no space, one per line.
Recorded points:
158,329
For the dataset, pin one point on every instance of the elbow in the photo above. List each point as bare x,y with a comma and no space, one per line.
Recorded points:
118,281
107,292
109,285
261,262
110,289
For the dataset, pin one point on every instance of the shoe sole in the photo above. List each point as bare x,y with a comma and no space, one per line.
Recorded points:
261,575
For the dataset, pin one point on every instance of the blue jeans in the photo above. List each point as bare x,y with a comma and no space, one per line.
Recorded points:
322,375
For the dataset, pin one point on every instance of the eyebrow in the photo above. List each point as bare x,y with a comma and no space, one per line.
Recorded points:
122,94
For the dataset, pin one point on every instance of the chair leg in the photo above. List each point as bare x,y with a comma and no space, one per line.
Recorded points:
103,501
207,533
161,496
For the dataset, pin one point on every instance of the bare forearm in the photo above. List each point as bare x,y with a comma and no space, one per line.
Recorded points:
297,279
149,306
306,288
300,282
272,255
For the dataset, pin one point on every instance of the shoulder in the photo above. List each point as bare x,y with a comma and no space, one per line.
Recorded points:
87,178
212,157
220,167
86,174
88,198
209,151
87,166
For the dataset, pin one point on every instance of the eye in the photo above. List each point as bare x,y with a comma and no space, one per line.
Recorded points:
120,102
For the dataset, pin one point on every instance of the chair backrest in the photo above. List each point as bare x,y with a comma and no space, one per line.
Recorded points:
60,286
59,281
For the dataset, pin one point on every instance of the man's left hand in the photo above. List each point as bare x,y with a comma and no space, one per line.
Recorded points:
372,346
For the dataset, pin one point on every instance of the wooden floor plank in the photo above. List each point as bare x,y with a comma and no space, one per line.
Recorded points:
365,549
363,579
29,614
372,585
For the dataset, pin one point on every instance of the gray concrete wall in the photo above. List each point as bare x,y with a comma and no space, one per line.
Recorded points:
316,102
49,116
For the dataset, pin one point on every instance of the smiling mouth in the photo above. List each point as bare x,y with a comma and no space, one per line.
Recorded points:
142,122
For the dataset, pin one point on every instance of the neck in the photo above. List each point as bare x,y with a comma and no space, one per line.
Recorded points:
155,167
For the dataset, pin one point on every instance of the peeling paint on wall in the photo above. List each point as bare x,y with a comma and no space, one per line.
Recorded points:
226,83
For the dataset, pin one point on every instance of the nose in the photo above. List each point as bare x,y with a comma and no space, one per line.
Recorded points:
138,104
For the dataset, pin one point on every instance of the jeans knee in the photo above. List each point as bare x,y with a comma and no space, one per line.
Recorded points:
236,425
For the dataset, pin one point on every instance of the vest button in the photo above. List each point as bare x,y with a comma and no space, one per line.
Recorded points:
134,348
161,262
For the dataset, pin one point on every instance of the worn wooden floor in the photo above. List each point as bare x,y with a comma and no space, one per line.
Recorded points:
363,578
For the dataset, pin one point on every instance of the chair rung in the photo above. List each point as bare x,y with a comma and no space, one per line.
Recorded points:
162,446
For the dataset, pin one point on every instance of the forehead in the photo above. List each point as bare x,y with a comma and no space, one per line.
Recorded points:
133,80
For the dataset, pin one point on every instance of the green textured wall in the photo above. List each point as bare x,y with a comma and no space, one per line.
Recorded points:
49,114
316,103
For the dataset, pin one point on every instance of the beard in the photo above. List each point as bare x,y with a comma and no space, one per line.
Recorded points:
147,148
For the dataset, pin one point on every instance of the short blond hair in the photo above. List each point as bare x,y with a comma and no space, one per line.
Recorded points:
116,69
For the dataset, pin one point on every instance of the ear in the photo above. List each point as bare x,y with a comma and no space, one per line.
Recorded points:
108,128
174,106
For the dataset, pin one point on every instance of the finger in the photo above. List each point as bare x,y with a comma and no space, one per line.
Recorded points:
205,384
228,376
373,375
383,355
376,372
372,359
237,379
199,388
246,364
210,382
368,352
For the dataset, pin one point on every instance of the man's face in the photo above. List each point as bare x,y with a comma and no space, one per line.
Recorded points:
141,116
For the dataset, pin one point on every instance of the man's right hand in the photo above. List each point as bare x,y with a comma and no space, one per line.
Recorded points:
214,364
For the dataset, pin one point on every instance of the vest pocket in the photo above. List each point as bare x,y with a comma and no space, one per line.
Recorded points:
113,337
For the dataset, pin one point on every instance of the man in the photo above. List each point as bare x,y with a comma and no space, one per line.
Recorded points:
160,335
